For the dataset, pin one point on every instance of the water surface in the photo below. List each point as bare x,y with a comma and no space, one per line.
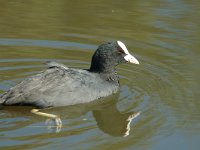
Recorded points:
163,35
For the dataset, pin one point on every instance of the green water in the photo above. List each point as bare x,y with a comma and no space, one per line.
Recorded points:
163,35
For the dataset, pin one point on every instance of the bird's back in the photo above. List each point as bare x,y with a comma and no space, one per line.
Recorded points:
59,86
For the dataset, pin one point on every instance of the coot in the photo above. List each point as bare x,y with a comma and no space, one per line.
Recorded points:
62,86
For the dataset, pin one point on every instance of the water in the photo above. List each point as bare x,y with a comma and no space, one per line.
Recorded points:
163,35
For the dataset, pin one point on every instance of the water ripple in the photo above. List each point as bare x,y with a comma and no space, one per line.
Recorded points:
44,43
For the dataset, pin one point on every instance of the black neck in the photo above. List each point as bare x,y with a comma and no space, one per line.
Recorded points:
102,68
109,75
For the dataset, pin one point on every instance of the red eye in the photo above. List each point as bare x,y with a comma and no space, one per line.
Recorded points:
120,50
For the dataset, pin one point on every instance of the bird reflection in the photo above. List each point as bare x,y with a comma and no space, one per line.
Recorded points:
113,122
108,118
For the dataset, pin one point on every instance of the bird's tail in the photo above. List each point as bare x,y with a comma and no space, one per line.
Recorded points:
1,99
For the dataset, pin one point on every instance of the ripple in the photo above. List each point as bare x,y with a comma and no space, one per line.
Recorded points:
157,89
44,43
154,88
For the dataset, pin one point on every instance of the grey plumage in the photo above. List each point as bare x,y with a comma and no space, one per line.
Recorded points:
62,86
59,86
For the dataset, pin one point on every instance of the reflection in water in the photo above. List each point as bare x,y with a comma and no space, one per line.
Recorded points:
109,119
113,122
129,120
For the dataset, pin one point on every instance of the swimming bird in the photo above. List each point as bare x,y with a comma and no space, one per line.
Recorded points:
63,86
